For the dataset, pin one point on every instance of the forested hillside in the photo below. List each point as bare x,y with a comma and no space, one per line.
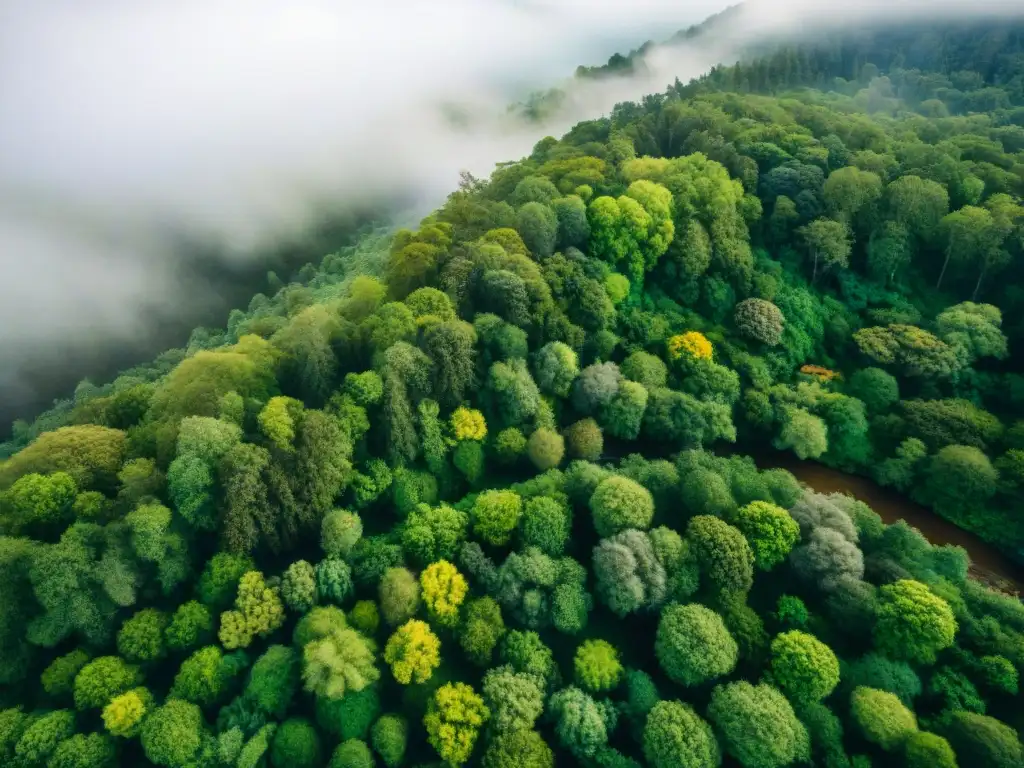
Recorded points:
478,494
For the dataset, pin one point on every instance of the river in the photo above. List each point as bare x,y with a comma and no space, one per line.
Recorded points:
988,564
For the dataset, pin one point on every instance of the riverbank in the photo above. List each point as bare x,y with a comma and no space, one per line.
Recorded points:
988,564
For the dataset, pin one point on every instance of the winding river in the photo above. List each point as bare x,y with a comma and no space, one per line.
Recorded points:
988,564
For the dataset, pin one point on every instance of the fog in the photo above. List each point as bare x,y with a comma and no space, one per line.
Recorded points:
127,126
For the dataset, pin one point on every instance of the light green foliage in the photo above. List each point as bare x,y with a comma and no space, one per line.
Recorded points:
455,715
433,533
803,432
913,623
102,679
881,717
295,745
509,445
675,736
258,612
93,750
88,453
584,440
597,667
339,532
545,447
58,678
124,714
770,531
365,388
41,738
555,368
299,587
518,749
389,736
803,667
172,734
757,725
218,584
413,652
495,515
318,623
365,617
619,503
927,750
342,661
274,680
693,645
546,525
399,595
514,699
42,501
205,675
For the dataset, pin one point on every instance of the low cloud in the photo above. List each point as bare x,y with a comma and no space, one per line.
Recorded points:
126,126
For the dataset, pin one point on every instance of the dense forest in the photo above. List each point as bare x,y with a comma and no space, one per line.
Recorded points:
479,493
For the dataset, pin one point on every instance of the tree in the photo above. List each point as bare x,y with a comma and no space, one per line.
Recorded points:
555,368
90,454
828,241
597,666
876,388
444,590
595,387
455,715
172,734
339,532
912,623
926,750
628,572
538,225
803,667
389,736
296,744
205,675
258,612
190,626
124,714
623,415
42,503
514,699
399,595
546,524
518,749
828,559
770,531
93,750
981,740
298,586
512,392
724,555
339,663
876,671
413,652
102,679
496,515
970,234
759,320
850,193
758,726
584,440
881,717
42,736
352,753
333,580
451,346
218,583
693,645
579,722
689,347
674,736
482,630
619,503
58,678
274,681
889,251
918,204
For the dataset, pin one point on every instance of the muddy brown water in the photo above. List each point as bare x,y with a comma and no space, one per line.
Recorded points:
988,564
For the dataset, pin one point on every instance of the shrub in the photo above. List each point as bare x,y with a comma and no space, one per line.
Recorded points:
882,718
619,503
693,645
545,447
495,515
676,737
758,726
389,737
597,666
803,667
